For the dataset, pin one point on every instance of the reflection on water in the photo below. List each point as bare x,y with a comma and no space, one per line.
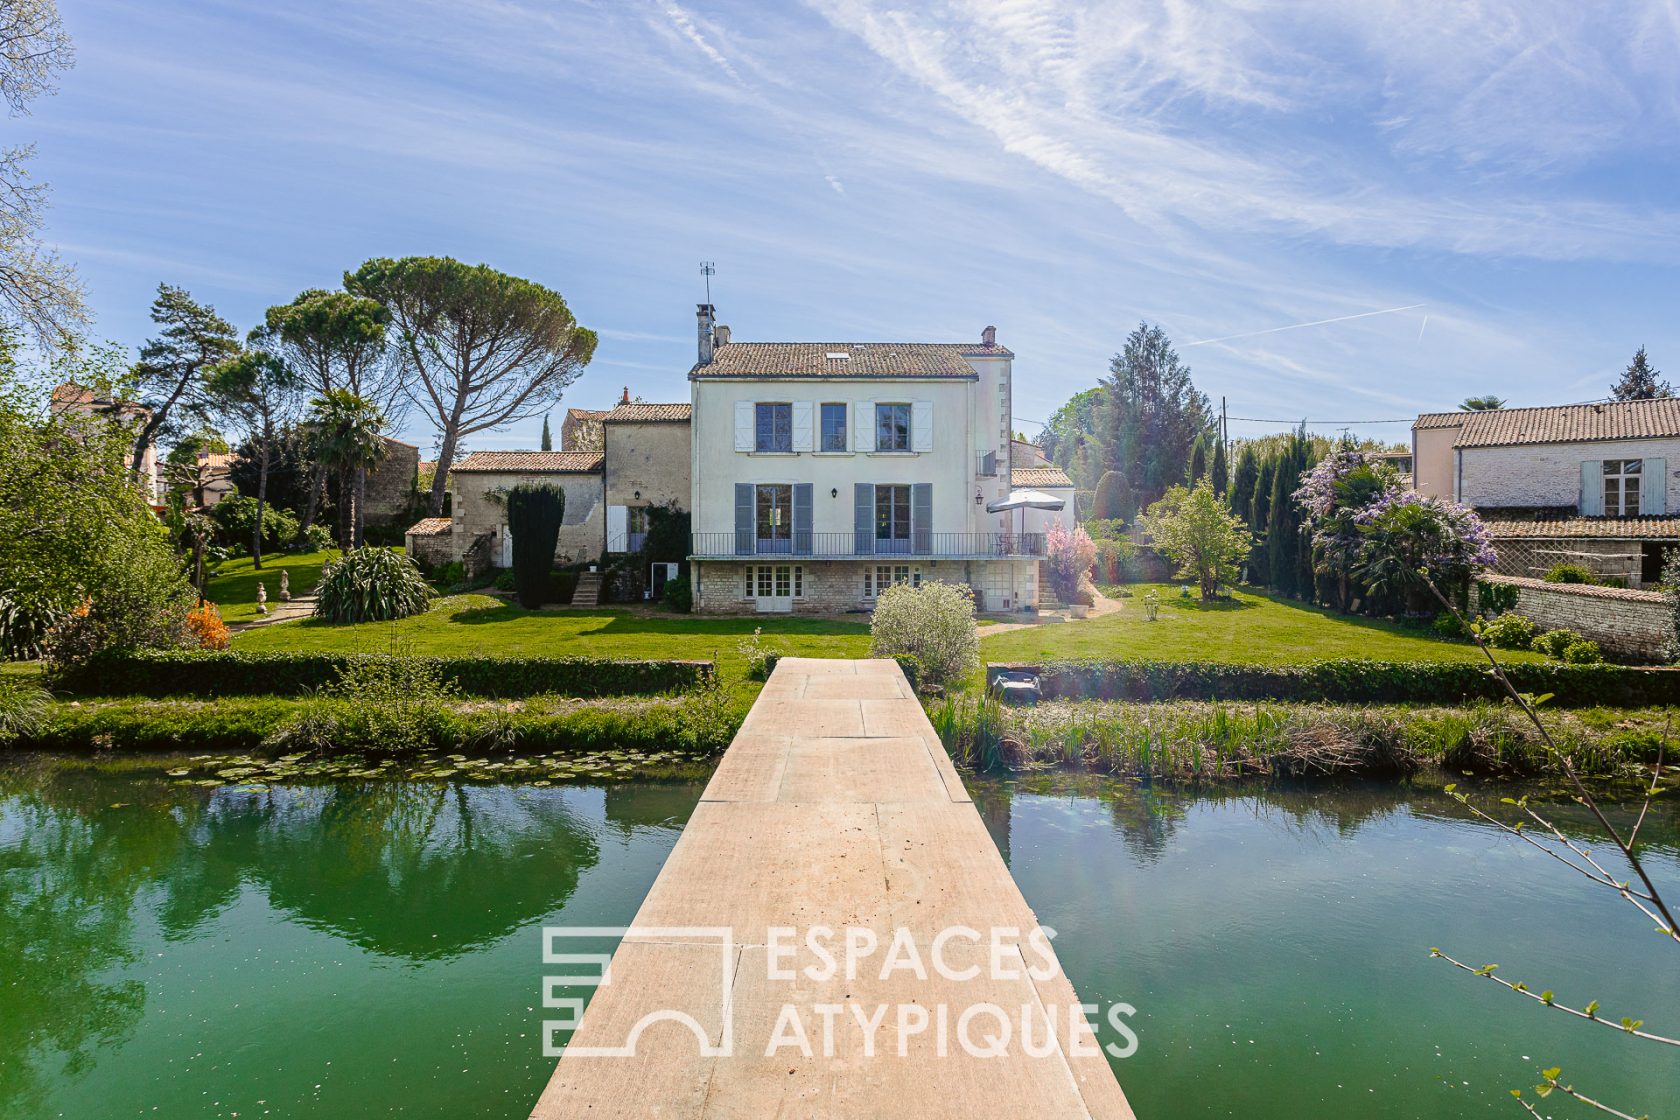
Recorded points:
206,952
1275,944
370,950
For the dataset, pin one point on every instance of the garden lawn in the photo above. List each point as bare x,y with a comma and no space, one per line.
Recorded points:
467,625
234,586
1250,628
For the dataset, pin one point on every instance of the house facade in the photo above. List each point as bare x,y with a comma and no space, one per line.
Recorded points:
69,398
1587,484
824,473
648,452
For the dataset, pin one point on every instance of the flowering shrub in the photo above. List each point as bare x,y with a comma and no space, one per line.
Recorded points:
1068,559
205,626
934,624
1195,531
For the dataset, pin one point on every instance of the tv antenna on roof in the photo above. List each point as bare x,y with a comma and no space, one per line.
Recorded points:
707,268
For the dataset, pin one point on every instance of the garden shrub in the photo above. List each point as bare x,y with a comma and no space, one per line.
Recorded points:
504,580
141,604
371,585
449,575
1569,573
24,626
237,673
317,538
1448,625
679,595
1553,642
1508,631
934,624
1582,651
235,517
1356,681
386,703
760,658
1496,598
206,628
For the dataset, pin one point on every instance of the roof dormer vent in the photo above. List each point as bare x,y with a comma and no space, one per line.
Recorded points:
838,356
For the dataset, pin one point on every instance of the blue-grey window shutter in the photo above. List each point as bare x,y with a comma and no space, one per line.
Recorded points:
921,518
1653,488
743,519
1592,489
802,518
863,518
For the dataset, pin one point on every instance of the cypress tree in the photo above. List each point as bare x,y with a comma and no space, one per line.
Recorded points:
1280,530
547,440
1242,483
1260,506
534,516
1110,501
1198,463
1221,470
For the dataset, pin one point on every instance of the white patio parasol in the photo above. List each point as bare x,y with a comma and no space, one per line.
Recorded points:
1024,500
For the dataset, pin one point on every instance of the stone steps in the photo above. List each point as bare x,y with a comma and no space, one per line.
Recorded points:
588,592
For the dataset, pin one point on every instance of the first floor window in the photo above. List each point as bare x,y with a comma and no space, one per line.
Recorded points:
1621,487
775,581
892,427
877,578
833,427
774,427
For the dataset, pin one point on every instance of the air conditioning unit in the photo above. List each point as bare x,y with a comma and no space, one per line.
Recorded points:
657,575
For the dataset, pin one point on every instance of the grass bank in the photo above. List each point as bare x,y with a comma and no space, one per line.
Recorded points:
486,626
1209,742
1251,628
234,586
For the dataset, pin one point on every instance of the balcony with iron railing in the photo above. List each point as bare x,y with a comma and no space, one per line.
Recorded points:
864,546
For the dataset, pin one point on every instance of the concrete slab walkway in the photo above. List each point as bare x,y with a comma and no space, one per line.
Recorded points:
836,810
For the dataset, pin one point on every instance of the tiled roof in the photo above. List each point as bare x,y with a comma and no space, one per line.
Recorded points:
863,359
1440,419
638,413
1585,590
588,413
1565,423
1568,525
531,462
1039,477
430,527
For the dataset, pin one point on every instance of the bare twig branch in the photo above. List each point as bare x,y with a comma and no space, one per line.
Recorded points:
1626,1026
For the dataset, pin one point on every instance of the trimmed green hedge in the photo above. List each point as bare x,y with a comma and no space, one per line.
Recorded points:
248,723
1353,681
235,673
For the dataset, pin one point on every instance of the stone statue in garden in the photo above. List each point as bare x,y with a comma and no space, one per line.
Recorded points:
285,586
262,598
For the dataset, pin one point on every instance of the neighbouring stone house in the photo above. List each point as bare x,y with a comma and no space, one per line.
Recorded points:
580,429
1587,484
645,460
69,398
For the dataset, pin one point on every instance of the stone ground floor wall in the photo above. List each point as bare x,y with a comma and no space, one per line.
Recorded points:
837,586
432,549
1630,625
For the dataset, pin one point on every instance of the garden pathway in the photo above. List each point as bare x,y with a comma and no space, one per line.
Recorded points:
835,808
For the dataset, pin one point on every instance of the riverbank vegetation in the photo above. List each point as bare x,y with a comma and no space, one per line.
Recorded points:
1202,741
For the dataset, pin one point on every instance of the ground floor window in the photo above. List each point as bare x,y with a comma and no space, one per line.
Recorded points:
878,577
775,581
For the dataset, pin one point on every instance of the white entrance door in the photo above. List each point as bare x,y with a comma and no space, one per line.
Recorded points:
507,548
774,589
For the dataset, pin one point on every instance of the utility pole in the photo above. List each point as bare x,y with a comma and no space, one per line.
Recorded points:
1224,425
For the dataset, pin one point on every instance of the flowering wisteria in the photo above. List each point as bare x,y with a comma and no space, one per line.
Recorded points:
1450,537
1317,493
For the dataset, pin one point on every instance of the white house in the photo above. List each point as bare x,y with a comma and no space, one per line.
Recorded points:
825,472
1592,484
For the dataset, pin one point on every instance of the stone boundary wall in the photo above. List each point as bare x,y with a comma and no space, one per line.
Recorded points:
1636,625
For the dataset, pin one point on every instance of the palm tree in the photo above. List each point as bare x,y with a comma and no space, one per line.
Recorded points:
1481,404
345,430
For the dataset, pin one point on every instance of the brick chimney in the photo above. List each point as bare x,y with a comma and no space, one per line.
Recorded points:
625,399
988,337
707,315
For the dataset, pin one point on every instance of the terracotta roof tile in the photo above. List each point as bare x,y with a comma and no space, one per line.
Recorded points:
1440,419
1614,528
863,359
1585,590
637,412
531,462
1039,477
430,527
1570,423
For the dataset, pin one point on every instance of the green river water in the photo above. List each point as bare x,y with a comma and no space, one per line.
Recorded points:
373,949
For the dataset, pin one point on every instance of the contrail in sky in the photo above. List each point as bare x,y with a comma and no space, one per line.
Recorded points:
1298,326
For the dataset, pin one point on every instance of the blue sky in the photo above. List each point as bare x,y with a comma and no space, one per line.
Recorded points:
861,171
